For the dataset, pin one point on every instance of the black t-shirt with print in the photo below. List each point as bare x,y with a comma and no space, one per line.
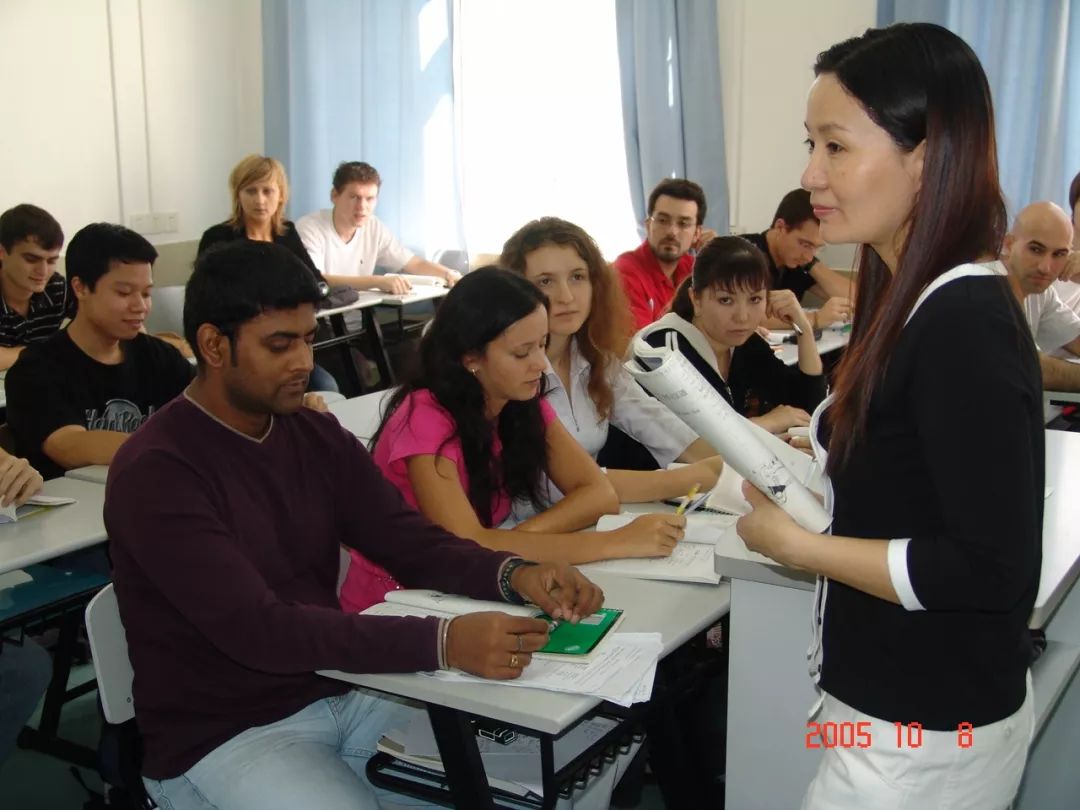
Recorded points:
796,279
55,383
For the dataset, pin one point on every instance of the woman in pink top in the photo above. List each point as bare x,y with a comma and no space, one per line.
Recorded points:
468,433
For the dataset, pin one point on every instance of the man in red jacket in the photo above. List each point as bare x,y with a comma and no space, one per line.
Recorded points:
226,512
652,272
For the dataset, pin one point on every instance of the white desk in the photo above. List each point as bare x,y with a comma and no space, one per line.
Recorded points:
831,340
419,292
360,415
95,473
677,611
367,299
57,530
770,690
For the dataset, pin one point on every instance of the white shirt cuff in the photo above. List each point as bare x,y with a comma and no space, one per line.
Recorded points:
898,573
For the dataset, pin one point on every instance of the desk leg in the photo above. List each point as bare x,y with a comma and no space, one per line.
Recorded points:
378,347
461,758
353,383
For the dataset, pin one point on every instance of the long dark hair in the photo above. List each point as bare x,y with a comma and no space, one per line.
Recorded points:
728,263
602,338
477,310
919,82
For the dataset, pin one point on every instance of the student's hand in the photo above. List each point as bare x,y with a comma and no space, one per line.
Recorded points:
784,305
18,480
393,284
834,310
451,277
1071,270
706,236
560,590
783,417
705,473
494,645
315,402
768,529
649,536
800,443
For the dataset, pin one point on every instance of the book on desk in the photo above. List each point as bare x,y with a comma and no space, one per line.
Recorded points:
576,643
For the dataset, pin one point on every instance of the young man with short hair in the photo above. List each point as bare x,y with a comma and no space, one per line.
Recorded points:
790,245
74,399
34,298
347,242
226,514
652,272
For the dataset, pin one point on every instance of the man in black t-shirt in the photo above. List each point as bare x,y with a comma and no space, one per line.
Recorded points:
34,298
74,399
790,245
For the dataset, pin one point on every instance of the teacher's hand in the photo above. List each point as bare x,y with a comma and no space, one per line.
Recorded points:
560,590
768,529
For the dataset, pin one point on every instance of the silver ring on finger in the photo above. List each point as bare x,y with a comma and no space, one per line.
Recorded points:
519,643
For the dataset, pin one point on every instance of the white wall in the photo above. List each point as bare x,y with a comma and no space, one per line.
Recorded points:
121,107
767,51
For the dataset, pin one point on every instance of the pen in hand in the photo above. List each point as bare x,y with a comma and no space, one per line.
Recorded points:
690,496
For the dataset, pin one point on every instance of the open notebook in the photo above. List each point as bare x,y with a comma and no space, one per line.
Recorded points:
567,642
10,514
691,560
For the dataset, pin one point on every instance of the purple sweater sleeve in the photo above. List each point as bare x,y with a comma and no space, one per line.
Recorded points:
184,548
418,553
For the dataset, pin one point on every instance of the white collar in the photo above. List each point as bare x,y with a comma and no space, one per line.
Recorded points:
239,433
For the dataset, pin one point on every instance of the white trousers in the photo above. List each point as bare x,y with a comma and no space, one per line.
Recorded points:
949,770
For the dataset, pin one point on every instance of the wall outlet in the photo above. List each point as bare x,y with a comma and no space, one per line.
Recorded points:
142,223
165,222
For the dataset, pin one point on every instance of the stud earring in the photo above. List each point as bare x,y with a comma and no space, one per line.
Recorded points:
473,370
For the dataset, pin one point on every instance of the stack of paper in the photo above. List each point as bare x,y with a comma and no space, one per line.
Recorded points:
622,671
514,768
691,560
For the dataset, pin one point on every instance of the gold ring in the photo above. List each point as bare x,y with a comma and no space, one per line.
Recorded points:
513,660
519,642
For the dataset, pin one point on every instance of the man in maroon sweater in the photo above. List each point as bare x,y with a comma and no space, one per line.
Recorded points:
226,512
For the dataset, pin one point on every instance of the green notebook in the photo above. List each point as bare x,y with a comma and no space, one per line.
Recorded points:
580,639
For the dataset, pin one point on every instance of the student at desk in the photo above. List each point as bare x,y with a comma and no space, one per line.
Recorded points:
226,589
586,384
75,398
715,316
470,432
34,299
260,192
931,572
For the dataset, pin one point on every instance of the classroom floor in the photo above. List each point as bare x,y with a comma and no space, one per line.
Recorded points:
33,781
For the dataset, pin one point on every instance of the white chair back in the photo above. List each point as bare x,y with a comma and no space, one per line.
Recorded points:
167,310
108,643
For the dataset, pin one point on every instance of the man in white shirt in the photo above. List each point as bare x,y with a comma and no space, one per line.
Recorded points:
1035,252
347,242
1068,284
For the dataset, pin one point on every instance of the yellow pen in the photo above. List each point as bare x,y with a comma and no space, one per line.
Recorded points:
682,506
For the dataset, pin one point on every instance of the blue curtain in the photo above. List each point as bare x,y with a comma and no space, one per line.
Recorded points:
372,81
1035,79
669,65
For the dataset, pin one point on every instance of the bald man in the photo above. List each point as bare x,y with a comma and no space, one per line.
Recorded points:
1035,251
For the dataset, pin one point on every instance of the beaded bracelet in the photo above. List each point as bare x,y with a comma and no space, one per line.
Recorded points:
508,569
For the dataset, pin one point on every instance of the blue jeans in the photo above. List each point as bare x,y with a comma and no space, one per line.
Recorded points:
25,672
315,758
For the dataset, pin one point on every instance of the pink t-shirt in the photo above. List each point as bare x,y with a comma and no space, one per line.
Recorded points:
420,426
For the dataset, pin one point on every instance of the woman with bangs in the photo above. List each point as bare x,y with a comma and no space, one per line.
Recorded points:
468,432
587,387
260,191
715,315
